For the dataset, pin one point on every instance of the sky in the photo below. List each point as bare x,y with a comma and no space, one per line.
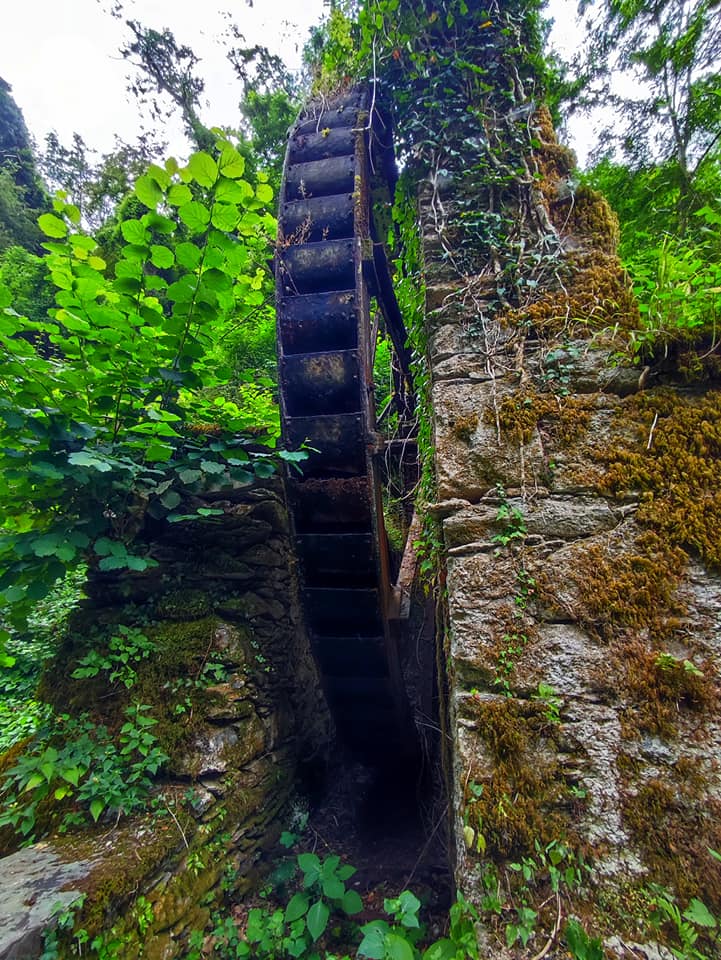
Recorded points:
61,59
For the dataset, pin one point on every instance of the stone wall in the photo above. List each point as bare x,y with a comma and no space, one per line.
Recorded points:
577,494
223,595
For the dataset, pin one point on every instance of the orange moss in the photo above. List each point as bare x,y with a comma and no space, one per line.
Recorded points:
565,417
519,803
674,462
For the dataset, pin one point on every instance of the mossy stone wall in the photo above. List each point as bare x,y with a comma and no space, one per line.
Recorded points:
223,593
578,499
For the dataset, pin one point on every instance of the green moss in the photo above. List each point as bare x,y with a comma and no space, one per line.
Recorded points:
183,605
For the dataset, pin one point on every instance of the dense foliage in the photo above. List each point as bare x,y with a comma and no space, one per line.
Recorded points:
107,401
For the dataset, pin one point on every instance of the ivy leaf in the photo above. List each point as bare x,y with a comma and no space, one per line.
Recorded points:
52,226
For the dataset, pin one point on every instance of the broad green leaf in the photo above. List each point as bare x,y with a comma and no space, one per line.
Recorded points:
203,168
179,194
158,452
264,192
351,903
441,950
374,937
148,192
52,226
195,216
398,948
72,775
190,476
233,191
159,175
297,907
96,808
188,255
170,499
232,164
332,888
212,466
134,232
317,919
81,458
161,257
224,216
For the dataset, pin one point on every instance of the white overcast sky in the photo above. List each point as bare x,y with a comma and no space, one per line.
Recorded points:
61,59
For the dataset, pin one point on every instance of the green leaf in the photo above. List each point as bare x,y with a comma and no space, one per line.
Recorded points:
351,903
441,950
398,948
188,255
264,192
195,216
203,169
148,192
374,937
697,912
233,191
52,226
212,466
72,775
170,499
190,476
317,919
81,458
297,907
161,257
158,452
179,194
333,888
133,231
232,164
225,216
96,808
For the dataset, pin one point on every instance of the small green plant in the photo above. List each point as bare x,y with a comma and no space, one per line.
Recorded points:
686,924
552,703
125,650
514,523
581,946
513,646
79,763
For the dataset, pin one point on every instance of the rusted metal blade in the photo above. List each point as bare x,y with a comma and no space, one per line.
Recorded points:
314,267
339,440
321,383
318,321
318,218
318,178
337,559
